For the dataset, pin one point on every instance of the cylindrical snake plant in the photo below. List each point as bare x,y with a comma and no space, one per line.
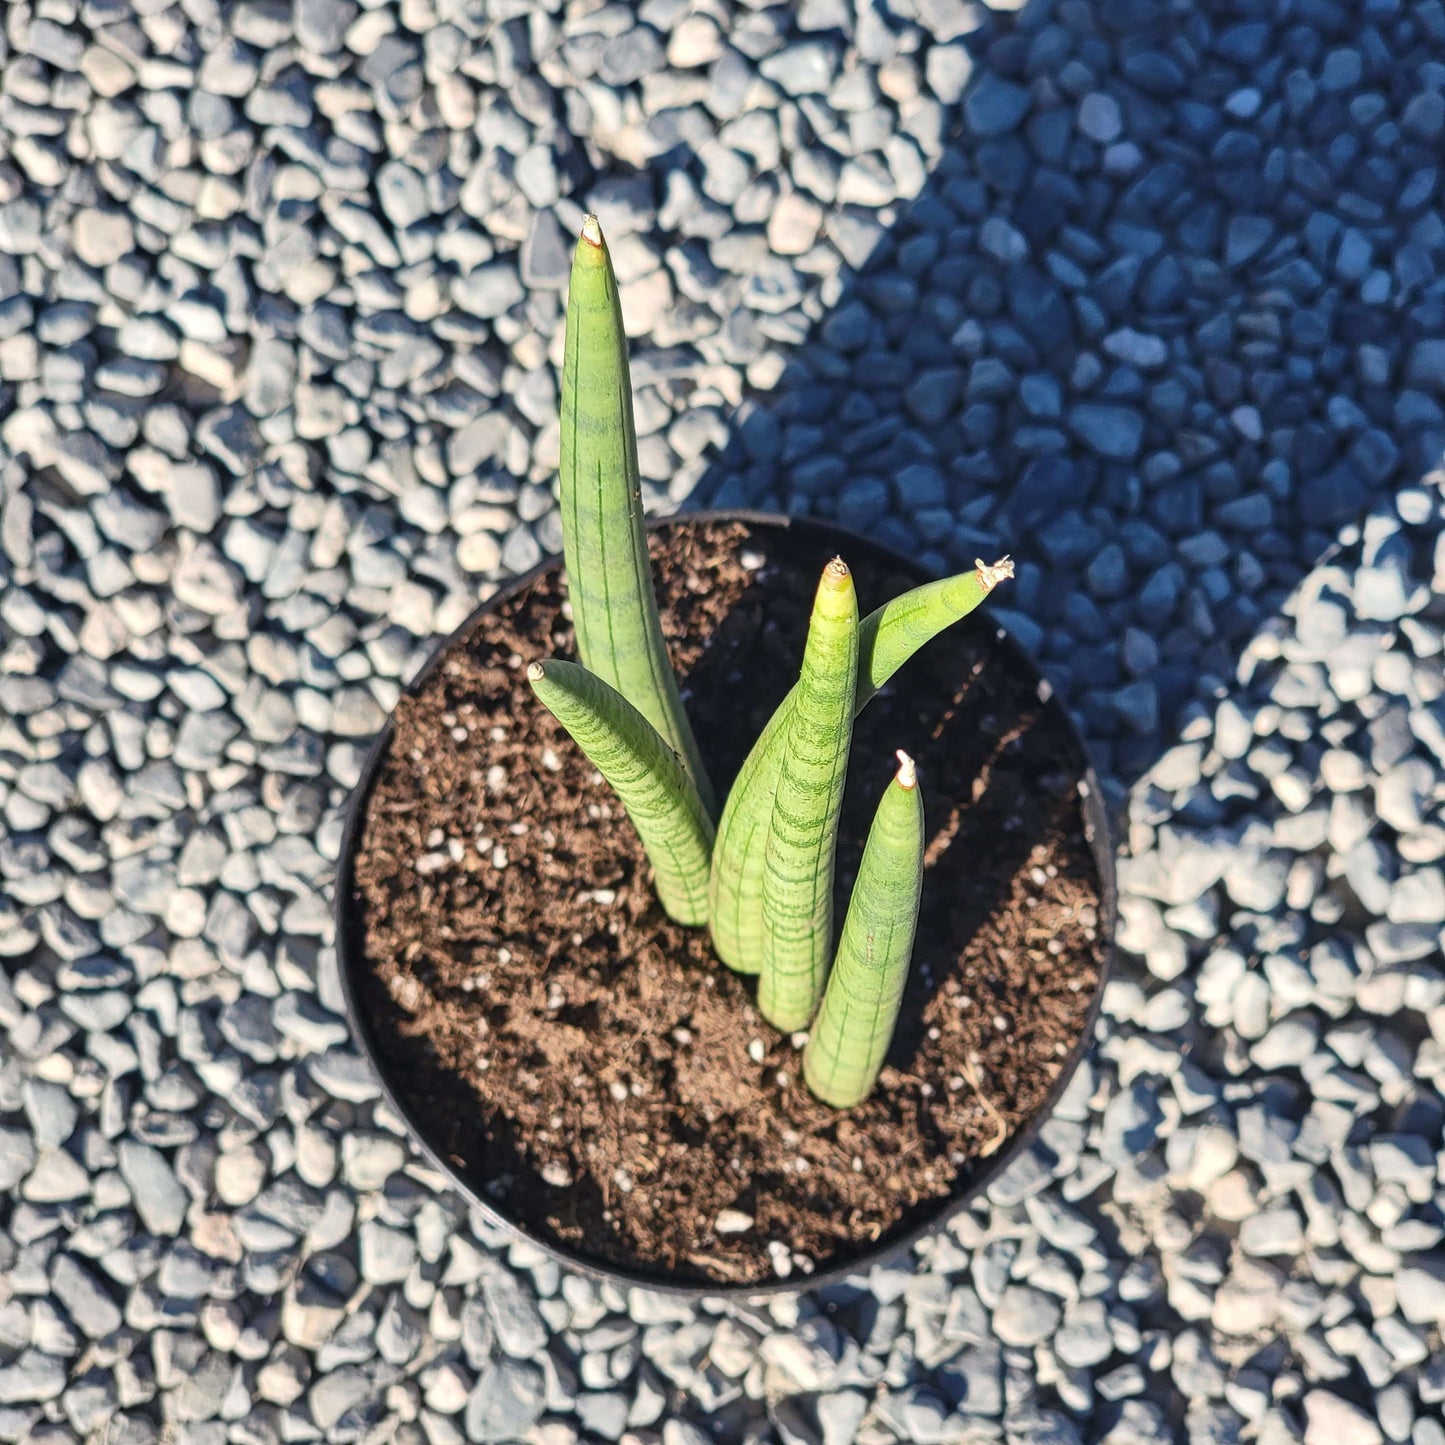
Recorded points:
803,827
645,773
887,638
604,544
850,1037
765,883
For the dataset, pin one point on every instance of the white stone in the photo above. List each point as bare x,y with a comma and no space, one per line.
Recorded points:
1329,1420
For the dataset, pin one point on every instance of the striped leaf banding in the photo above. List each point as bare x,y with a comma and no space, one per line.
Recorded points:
646,774
797,893
850,1037
887,638
604,543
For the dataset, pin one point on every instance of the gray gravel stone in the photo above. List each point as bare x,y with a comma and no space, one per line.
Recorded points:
56,1178
17,1154
1152,308
89,1305
1084,1341
994,106
1328,1417
545,260
51,1110
1100,117
1418,1288
101,236
513,1311
506,1402
1025,1316
157,1196
31,1376
1115,432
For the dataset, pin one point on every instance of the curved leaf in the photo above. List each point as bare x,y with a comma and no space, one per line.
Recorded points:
645,773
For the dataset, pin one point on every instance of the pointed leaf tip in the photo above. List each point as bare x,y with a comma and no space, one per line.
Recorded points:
592,231
907,771
990,577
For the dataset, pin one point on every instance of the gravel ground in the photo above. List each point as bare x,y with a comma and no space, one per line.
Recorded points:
1149,294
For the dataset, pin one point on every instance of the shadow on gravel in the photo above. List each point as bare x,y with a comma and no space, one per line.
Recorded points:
1164,323
1160,339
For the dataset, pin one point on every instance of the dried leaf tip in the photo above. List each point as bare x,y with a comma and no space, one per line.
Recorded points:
535,672
907,771
836,570
990,577
592,231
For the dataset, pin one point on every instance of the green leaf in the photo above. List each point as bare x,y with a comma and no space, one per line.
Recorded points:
850,1037
645,773
887,638
803,829
735,889
604,544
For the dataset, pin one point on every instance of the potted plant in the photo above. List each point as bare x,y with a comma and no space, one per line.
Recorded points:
608,996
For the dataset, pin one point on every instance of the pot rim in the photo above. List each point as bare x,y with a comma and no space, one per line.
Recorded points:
1098,834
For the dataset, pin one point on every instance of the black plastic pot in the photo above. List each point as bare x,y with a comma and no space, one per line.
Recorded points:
350,958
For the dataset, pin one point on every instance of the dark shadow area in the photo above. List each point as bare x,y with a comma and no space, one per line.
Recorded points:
1163,320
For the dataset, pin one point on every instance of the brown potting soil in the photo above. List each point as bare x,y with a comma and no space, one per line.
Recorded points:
588,1065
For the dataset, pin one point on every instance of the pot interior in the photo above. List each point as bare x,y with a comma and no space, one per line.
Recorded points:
584,1067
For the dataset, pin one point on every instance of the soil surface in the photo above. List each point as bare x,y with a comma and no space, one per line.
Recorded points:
587,1064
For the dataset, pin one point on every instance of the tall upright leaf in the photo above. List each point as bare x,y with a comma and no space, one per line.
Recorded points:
887,638
609,574
803,830
850,1037
645,773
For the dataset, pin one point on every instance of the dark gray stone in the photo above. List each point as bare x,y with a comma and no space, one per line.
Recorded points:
994,106
1113,432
